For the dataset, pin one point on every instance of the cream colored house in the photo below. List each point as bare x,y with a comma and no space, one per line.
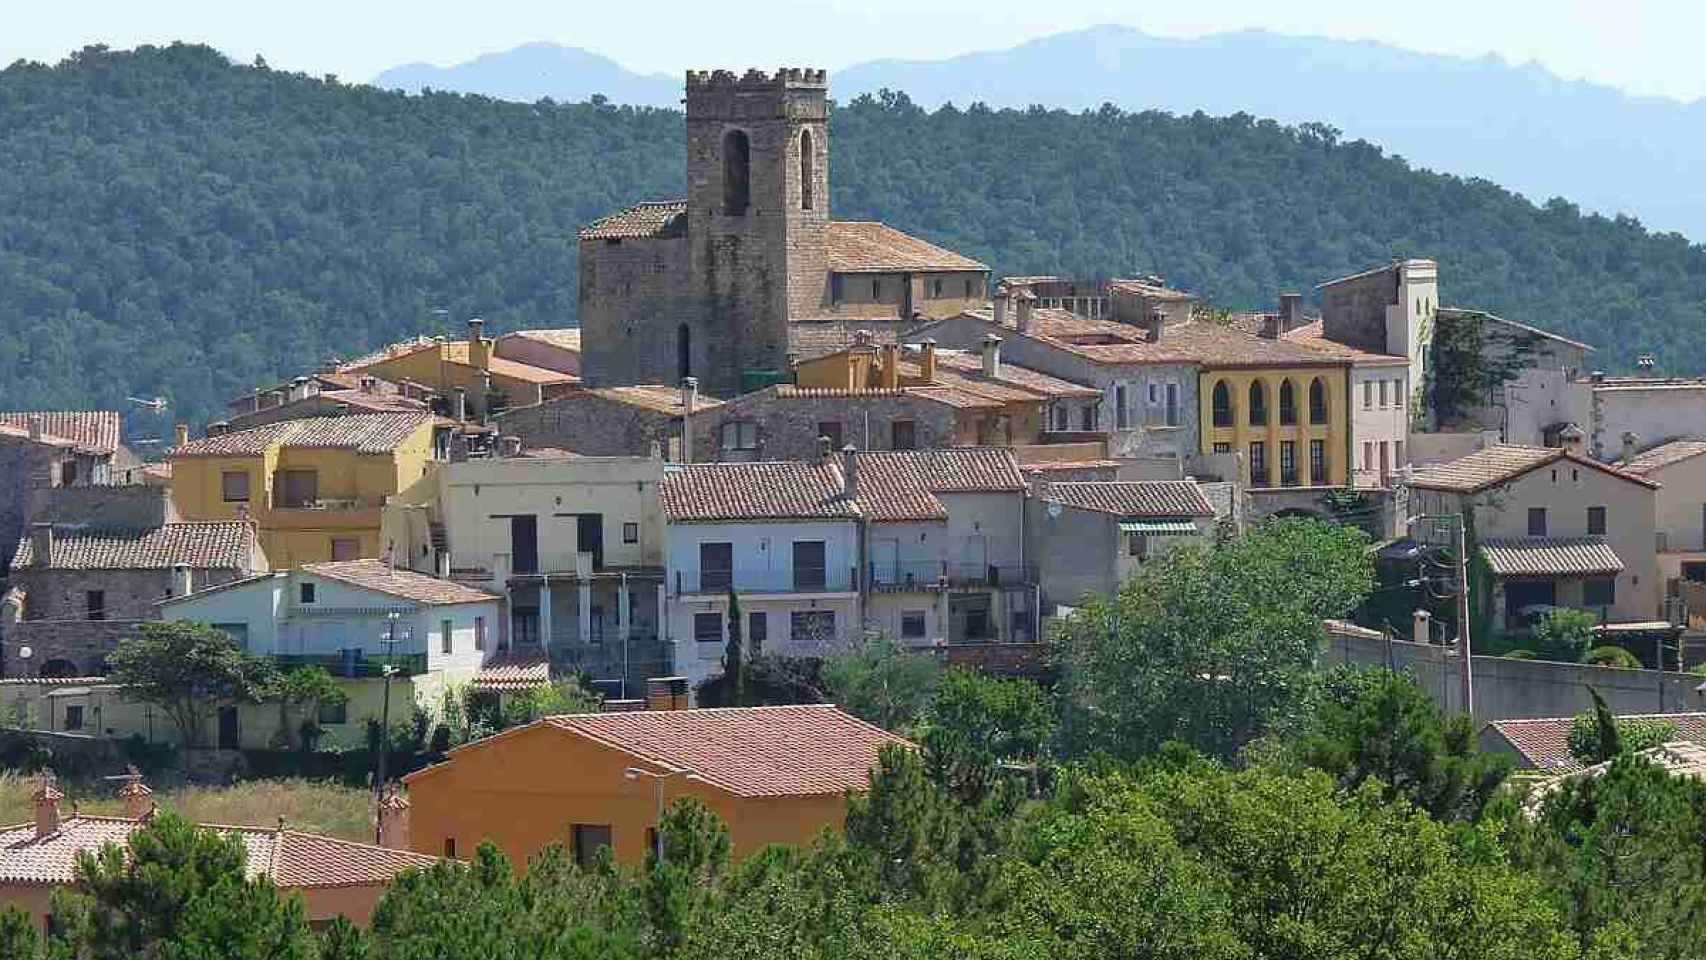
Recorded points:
1557,528
1680,470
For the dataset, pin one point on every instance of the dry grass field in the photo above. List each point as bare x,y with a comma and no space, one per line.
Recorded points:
311,806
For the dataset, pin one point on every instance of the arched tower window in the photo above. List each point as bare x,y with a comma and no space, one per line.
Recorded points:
1258,404
737,173
808,167
683,352
1317,401
1222,405
1287,404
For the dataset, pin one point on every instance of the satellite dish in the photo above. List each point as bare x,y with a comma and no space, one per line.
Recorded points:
24,653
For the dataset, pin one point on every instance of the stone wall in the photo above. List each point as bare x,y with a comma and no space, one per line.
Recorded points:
23,464
85,644
591,425
58,594
634,298
787,428
133,506
1353,311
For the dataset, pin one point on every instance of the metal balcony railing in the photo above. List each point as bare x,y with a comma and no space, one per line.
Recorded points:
354,664
795,580
901,577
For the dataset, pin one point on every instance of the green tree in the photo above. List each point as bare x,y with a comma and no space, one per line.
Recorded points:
881,681
18,938
1565,635
299,690
734,662
975,723
187,670
1598,735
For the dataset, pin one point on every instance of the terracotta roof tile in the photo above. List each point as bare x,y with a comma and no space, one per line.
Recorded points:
653,218
866,246
779,490
202,545
96,431
1149,290
1133,498
1547,557
1313,335
1544,743
363,433
563,338
378,576
292,859
1201,342
903,485
948,396
514,671
1503,463
649,396
748,751
1664,455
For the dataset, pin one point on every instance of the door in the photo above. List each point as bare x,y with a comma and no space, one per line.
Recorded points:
976,558
524,543
589,537
229,738
1528,600
885,562
298,488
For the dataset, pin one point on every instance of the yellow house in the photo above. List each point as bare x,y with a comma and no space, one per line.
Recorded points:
314,487
471,369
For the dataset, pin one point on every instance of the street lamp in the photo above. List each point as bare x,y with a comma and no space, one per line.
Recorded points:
386,670
1462,572
635,773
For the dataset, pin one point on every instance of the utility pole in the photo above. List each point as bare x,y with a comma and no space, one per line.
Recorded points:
384,747
1463,618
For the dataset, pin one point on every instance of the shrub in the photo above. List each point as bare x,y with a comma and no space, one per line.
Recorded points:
1520,654
1613,656
1565,635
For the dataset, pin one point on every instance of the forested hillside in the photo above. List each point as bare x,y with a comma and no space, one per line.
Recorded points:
174,224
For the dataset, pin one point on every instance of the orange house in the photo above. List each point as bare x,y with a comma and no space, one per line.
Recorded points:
774,774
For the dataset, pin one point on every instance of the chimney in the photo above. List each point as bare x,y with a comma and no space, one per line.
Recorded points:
41,544
891,366
275,398
182,585
509,446
218,428
927,359
369,385
1291,311
1027,301
1157,324
666,693
1421,627
1570,438
36,426
46,797
394,819
479,356
1269,329
849,472
138,800
1631,443
181,435
1001,298
689,399
991,356
459,405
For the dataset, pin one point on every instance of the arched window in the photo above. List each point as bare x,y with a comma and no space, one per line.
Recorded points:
1317,401
737,173
808,166
1258,404
1288,404
58,668
683,352
1222,405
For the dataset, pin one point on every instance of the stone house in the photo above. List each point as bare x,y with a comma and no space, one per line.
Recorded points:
472,377
58,449
1089,536
325,394
75,592
1557,528
710,286
626,421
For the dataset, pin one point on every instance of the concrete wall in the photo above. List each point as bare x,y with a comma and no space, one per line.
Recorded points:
1074,550
763,553
133,506
1380,419
1654,410
1681,516
538,353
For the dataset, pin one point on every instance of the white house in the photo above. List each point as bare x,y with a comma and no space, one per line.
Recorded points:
782,536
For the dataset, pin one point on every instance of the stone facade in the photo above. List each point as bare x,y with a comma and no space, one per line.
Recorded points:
595,426
787,427
1388,310
26,464
70,648
130,506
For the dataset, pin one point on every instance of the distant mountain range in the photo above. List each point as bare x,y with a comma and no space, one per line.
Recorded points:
1520,126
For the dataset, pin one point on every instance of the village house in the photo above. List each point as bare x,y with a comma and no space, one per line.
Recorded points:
325,394
333,877
590,781
1090,536
1679,469
574,544
58,449
1557,528
314,487
556,349
76,591
1542,744
475,381
356,619
627,421
712,286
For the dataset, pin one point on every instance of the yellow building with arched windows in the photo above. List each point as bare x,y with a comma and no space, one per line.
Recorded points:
1287,420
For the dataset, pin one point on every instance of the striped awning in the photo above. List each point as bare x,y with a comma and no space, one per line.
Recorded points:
1551,557
1158,528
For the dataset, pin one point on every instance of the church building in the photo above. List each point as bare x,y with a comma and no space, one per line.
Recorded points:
748,273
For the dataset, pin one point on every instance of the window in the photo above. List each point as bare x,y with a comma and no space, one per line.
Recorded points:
73,718
903,435
1368,394
809,572
587,839
832,430
95,602
1258,404
740,435
1318,462
305,593
1222,405
716,566
1537,521
68,473
1288,463
1383,400
1317,401
1258,463
346,548
808,166
912,625
450,847
1122,416
1060,418
971,287
1596,521
1398,460
876,288
708,627
1398,393
479,633
1223,448
835,288
1287,405
811,626
298,488
737,173
757,631
1172,404
1385,459
1155,393
1087,417
683,352
1599,592
936,288
234,486
238,632
446,637
332,712
1367,455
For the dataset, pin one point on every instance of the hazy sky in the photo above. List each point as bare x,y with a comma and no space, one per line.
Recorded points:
1642,46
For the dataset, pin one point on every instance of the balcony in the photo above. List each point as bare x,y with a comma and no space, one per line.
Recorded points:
797,580
927,577
354,664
